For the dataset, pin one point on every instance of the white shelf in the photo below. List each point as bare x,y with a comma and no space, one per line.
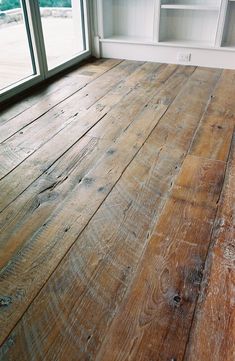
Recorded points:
190,7
187,43
228,47
127,39
149,41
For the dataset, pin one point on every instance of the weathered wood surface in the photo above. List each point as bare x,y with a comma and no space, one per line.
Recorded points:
83,276
213,331
26,141
216,129
155,318
163,139
18,115
51,176
53,209
116,121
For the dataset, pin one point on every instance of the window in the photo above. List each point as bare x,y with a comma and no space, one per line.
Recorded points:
38,39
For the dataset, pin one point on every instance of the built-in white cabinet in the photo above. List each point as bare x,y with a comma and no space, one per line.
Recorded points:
128,19
189,22
131,20
194,24
229,27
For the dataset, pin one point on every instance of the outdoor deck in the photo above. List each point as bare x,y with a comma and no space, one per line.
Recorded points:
15,61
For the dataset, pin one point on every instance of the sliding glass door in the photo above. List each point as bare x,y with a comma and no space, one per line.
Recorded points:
63,30
38,39
17,61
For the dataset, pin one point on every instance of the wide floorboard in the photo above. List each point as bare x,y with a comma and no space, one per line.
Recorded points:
117,216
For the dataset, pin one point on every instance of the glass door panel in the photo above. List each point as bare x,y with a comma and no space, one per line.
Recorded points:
38,39
63,30
16,55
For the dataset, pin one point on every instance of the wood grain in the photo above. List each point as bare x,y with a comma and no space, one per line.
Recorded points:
55,214
107,224
213,331
215,132
126,195
16,117
25,142
27,202
115,114
155,318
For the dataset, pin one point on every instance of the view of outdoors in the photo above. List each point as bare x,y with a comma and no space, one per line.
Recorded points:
15,59
62,32
12,4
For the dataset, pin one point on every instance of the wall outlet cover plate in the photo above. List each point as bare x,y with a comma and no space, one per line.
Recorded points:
184,57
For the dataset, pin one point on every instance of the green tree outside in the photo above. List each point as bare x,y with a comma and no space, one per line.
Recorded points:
13,4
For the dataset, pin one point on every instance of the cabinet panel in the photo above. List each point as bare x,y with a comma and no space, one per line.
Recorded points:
128,19
229,30
188,26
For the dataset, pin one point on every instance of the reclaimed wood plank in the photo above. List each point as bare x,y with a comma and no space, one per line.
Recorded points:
215,132
213,329
118,100
26,141
68,217
155,317
51,176
186,126
32,105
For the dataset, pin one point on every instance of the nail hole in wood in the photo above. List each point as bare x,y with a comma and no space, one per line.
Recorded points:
110,151
5,301
177,299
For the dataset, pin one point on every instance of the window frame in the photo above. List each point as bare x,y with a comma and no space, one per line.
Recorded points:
31,13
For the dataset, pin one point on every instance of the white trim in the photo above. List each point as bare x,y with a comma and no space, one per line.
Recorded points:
190,7
100,17
19,87
156,23
68,63
37,33
221,23
215,58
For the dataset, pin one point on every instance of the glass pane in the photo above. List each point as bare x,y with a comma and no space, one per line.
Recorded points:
15,58
62,30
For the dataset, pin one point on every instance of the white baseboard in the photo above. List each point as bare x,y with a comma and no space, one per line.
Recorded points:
214,58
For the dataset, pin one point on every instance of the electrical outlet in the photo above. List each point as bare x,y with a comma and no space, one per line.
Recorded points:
184,57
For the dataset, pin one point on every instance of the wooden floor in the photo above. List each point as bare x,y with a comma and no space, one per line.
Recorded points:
117,216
